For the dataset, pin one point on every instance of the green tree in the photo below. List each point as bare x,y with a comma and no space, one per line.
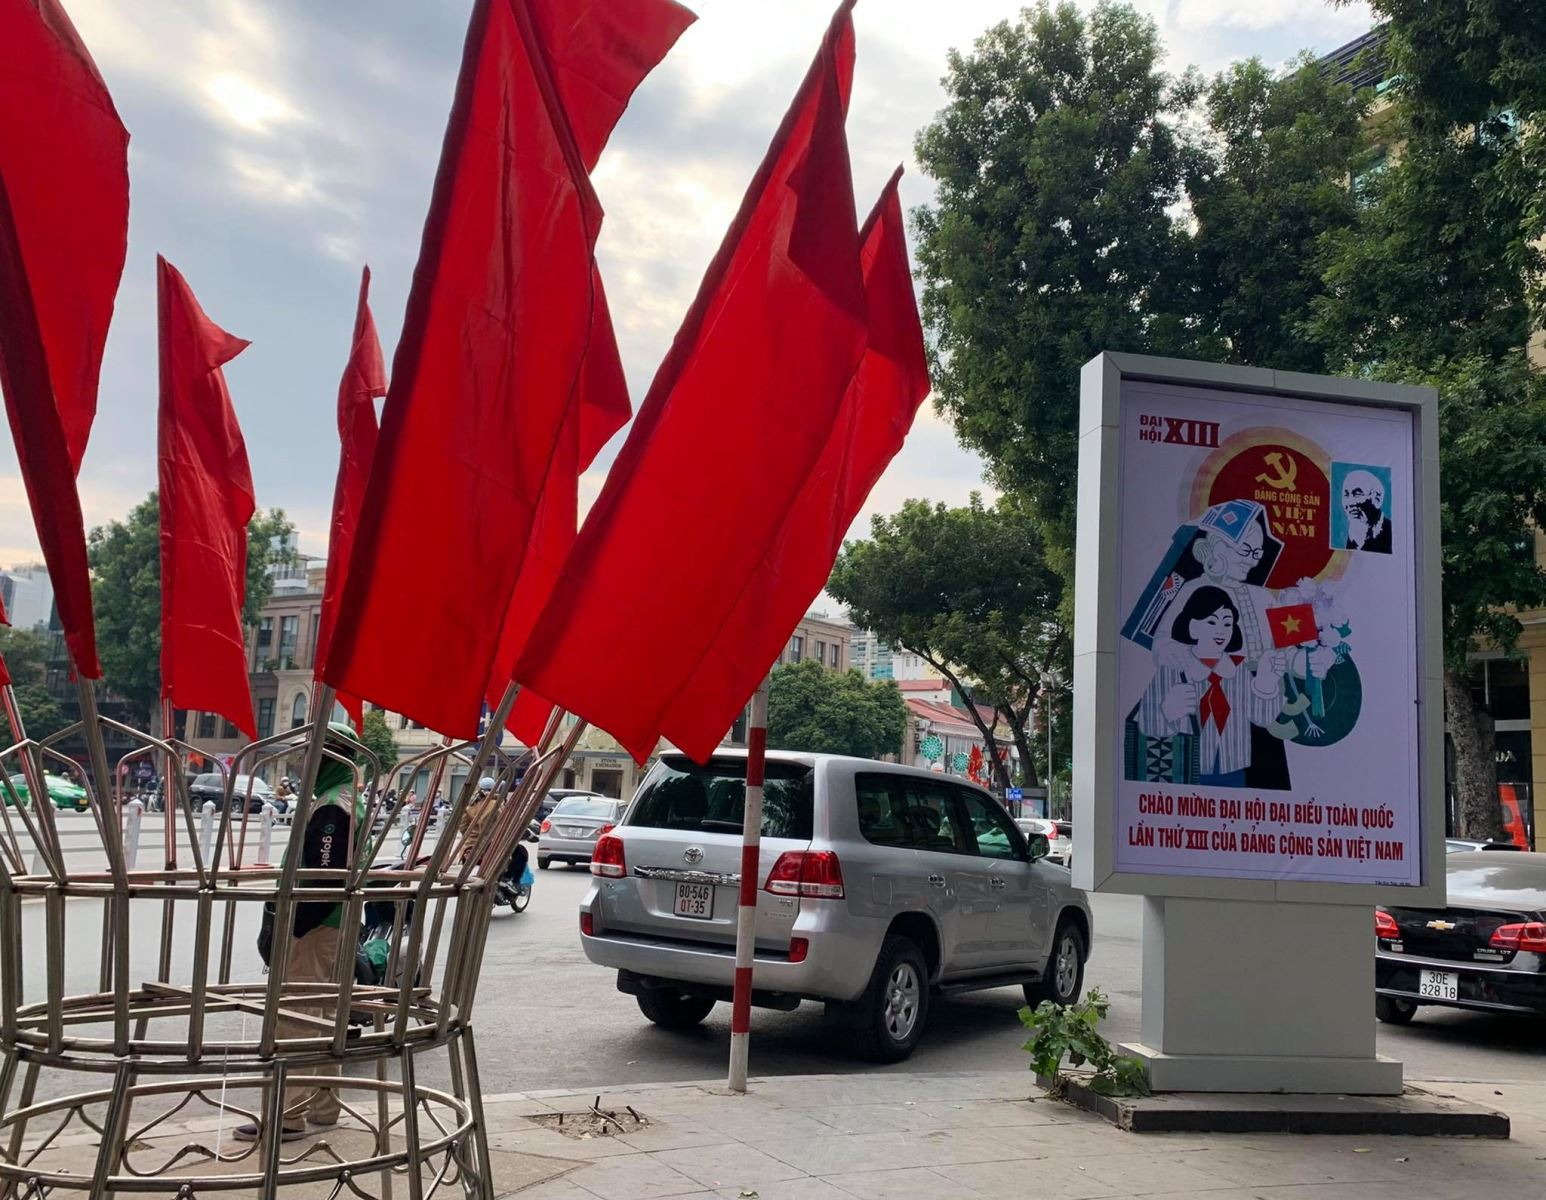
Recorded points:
125,561
1432,284
829,712
26,654
1267,182
1480,66
968,590
1056,163
378,738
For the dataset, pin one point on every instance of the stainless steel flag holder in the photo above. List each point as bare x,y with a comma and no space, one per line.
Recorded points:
139,1029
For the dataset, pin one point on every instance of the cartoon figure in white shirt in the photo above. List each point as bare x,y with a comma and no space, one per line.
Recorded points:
1212,693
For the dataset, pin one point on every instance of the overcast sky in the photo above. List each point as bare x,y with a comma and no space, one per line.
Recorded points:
279,144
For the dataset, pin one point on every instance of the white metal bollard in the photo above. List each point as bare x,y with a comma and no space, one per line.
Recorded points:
266,833
207,830
133,815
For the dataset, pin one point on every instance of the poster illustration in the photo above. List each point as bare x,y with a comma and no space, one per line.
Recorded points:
1267,665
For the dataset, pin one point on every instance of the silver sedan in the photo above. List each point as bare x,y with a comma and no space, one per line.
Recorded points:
569,833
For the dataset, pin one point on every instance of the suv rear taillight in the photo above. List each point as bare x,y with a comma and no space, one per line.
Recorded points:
1385,927
608,860
814,874
1529,936
545,827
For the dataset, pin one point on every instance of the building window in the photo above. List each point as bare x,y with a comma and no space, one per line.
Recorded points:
265,640
1363,181
821,653
206,725
311,646
837,655
228,730
289,631
297,709
266,717
796,648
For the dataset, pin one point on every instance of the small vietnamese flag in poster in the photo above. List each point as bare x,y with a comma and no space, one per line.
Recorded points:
1292,625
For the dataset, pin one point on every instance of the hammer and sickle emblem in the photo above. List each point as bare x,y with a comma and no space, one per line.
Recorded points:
1287,468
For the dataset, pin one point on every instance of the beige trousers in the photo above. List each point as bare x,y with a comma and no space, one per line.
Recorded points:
312,959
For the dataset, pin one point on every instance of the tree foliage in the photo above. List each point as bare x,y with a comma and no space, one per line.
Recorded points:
970,591
1082,207
125,561
1480,65
378,739
1055,161
26,654
830,712
1268,181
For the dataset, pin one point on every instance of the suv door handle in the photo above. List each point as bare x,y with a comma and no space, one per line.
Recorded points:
995,882
937,880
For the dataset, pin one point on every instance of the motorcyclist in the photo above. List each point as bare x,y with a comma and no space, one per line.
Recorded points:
479,820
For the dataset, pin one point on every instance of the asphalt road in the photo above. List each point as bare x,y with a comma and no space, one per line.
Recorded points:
548,1019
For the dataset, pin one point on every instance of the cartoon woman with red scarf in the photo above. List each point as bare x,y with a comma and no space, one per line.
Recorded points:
1212,695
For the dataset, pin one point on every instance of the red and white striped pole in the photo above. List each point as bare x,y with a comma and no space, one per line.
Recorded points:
751,874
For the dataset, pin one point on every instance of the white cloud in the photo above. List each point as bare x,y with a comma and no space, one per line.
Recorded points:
249,106
321,125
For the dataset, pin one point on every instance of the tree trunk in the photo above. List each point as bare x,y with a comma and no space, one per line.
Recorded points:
1478,814
989,742
1023,744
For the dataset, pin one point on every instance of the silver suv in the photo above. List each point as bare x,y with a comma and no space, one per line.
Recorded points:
880,885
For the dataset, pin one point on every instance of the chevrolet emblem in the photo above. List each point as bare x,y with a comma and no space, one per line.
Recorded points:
1441,926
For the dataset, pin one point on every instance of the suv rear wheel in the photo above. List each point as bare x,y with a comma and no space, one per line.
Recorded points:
674,1010
1065,968
1393,1011
886,1022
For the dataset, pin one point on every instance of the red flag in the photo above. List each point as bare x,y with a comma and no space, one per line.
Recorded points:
64,219
738,415
1292,625
506,379
206,502
364,379
877,412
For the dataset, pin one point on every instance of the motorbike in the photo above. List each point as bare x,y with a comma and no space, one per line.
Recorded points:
514,885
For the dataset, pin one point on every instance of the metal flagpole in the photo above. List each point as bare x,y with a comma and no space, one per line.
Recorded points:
746,915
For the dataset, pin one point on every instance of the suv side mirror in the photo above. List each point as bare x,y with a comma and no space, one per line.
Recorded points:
1040,847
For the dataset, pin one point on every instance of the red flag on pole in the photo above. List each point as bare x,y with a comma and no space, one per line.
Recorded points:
507,357
738,415
877,411
64,219
364,379
206,501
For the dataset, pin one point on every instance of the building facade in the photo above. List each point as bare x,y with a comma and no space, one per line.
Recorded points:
27,595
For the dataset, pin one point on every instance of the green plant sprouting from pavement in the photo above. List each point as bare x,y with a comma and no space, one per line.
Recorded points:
1060,1031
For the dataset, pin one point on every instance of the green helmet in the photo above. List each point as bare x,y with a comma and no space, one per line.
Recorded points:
341,740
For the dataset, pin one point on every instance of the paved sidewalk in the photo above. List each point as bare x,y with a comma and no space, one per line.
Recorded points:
894,1137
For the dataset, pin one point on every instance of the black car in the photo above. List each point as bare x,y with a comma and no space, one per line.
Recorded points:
1486,951
212,787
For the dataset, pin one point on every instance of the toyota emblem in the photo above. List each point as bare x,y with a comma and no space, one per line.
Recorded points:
693,854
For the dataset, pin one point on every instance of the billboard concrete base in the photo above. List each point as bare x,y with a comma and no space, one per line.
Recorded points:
1256,996
1375,1076
1418,1112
